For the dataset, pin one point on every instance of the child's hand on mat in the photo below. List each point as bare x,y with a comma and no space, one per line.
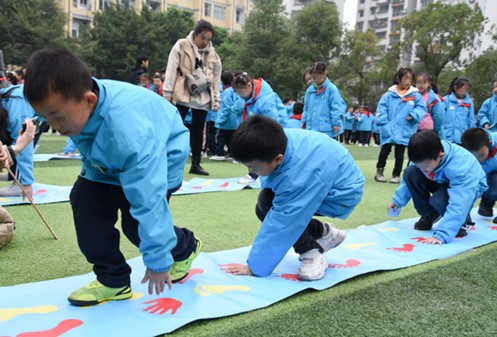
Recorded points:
392,206
157,281
433,241
237,269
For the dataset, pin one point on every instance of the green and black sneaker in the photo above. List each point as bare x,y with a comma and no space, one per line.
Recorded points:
95,293
180,269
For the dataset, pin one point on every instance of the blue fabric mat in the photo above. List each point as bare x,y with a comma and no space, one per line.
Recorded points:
200,185
41,309
42,194
54,156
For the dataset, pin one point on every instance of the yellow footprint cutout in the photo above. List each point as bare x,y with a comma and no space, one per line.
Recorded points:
356,246
9,313
388,229
208,182
206,290
136,296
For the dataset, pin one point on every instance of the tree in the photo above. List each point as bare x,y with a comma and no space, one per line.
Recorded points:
440,32
28,25
482,73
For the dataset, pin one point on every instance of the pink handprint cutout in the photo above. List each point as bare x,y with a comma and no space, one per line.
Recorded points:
291,277
192,272
162,305
351,263
494,228
406,248
419,239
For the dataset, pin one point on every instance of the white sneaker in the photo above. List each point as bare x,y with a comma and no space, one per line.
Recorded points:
215,157
4,177
332,237
10,191
247,180
360,145
313,265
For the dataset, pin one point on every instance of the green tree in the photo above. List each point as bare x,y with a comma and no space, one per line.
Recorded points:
28,25
482,73
440,32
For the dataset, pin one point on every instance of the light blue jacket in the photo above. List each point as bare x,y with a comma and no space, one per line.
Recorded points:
392,115
490,164
467,181
70,146
436,108
317,175
267,103
374,126
135,139
458,117
348,121
323,108
294,123
230,111
365,122
488,113
18,110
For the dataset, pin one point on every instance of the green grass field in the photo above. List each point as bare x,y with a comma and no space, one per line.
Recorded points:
452,297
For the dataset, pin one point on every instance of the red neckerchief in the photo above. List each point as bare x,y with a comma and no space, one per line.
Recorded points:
258,85
466,105
367,113
320,90
409,98
226,87
430,175
297,117
492,153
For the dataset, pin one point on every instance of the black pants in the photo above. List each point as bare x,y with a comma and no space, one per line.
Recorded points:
307,240
224,137
196,128
376,137
399,157
348,134
95,209
364,137
210,139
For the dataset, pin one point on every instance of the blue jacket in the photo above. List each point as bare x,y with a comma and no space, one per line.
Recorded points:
294,122
436,108
323,108
230,111
365,122
70,146
488,113
467,181
458,117
490,164
317,175
136,139
18,110
266,102
374,126
348,121
392,115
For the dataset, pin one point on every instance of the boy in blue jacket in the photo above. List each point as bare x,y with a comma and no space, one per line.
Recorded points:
134,148
487,115
444,180
483,145
305,173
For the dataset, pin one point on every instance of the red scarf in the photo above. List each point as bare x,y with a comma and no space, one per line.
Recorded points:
257,88
492,153
297,117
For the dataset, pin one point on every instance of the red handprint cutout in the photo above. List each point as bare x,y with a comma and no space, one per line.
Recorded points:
60,329
192,272
226,184
419,239
40,191
163,305
291,277
197,187
348,264
494,228
406,248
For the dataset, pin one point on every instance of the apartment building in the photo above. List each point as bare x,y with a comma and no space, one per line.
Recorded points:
293,6
229,14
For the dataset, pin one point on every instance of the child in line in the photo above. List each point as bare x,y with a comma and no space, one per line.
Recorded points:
375,131
487,115
483,145
364,125
157,84
348,124
131,164
399,111
305,173
435,106
443,180
459,110
323,104
295,121
146,82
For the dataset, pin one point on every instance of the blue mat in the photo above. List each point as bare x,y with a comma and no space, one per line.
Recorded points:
42,194
41,309
200,185
54,156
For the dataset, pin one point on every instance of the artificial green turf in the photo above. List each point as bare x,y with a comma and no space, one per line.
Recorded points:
452,297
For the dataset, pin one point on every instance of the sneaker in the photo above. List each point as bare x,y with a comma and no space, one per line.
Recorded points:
216,157
395,180
247,180
379,177
359,145
4,177
426,222
366,145
486,208
180,269
332,237
313,265
13,190
95,293
465,228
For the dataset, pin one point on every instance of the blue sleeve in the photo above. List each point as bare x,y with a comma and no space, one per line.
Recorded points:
305,113
471,117
483,117
382,111
437,114
70,146
225,109
402,195
338,106
419,110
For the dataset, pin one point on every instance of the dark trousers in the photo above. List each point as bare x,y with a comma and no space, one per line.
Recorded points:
224,137
490,195
376,137
399,157
95,209
210,139
364,137
428,196
307,240
347,134
196,128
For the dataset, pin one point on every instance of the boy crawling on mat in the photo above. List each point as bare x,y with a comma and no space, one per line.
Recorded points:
443,180
305,173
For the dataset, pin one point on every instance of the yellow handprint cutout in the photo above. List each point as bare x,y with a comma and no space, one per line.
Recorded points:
206,290
355,246
388,229
9,313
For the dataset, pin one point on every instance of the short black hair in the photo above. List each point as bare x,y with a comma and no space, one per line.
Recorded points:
56,71
227,78
474,139
258,138
401,73
141,58
318,67
298,108
241,80
202,26
424,145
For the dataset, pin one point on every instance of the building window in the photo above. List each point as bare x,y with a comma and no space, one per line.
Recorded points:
359,26
383,8
81,3
361,14
219,12
239,16
397,11
381,35
207,9
362,1
77,27
373,10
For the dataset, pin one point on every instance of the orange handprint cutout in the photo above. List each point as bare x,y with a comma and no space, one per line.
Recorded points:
419,239
291,277
406,248
226,184
40,191
59,330
351,263
162,305
192,272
